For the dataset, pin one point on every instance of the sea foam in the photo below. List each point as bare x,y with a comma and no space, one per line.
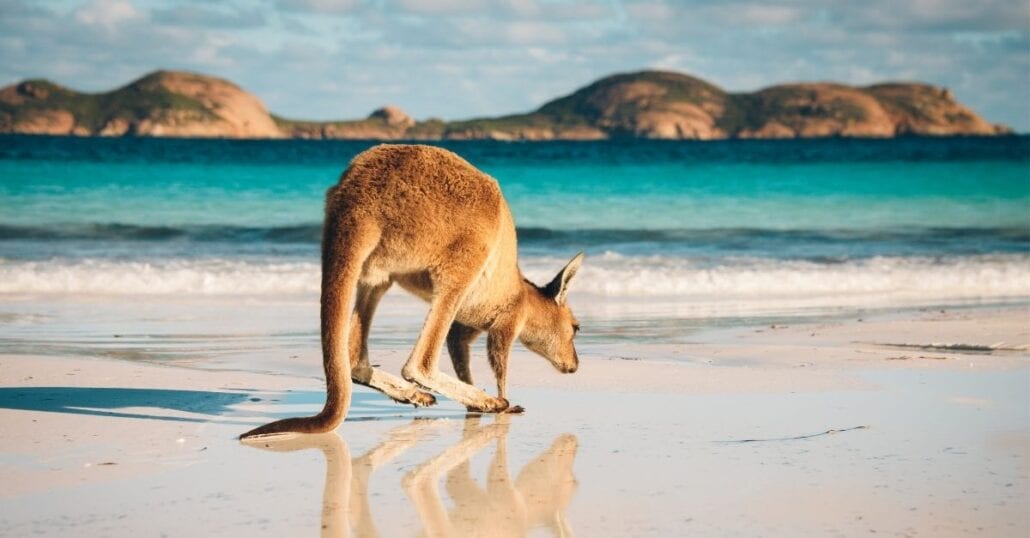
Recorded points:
657,276
610,275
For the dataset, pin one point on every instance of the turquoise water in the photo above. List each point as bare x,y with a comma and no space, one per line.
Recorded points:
696,217
580,194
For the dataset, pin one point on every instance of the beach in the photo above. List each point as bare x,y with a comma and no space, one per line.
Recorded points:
904,422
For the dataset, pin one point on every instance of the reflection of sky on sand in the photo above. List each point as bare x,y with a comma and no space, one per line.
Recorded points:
537,497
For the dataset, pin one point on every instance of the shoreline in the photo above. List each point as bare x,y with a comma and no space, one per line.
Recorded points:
279,337
708,432
161,328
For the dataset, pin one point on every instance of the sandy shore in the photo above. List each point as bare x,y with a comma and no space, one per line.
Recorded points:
899,422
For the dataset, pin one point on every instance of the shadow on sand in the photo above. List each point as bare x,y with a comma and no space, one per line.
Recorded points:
538,497
122,402
199,406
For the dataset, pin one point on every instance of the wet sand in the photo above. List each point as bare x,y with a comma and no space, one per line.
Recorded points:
899,422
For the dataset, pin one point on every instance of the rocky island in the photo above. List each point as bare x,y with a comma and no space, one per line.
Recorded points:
646,104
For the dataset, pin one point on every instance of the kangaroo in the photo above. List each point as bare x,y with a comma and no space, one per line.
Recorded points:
426,219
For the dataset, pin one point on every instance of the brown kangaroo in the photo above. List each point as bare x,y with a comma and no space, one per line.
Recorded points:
428,220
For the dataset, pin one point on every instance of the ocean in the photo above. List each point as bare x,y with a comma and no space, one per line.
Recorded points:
828,223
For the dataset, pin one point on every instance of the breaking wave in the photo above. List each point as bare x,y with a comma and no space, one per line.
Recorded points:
608,275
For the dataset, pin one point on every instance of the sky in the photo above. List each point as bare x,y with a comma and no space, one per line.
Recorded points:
455,59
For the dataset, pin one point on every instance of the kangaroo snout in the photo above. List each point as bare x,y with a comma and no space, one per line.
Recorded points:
570,368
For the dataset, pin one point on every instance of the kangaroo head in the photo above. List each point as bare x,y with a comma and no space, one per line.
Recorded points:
550,326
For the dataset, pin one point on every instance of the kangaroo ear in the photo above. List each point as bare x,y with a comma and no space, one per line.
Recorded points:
559,287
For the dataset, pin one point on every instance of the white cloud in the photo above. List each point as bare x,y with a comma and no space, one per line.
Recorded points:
108,14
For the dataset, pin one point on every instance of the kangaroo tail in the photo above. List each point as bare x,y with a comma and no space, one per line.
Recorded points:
344,250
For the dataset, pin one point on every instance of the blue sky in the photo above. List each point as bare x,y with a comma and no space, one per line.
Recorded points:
333,59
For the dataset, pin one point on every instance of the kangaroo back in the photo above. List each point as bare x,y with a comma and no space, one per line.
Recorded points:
418,191
431,208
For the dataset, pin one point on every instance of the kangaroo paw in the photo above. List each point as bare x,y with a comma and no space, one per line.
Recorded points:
492,405
422,399
417,398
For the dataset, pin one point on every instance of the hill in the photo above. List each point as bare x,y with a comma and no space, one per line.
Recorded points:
666,105
163,103
647,104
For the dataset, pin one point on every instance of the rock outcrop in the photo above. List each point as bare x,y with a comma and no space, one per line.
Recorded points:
393,116
387,123
652,104
163,103
647,104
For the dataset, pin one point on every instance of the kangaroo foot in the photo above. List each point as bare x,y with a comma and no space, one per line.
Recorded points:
416,398
399,390
420,399
510,410
473,398
490,405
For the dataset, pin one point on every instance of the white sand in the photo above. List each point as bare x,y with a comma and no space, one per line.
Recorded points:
714,432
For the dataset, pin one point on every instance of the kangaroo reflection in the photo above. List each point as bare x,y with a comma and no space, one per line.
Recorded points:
538,497
397,441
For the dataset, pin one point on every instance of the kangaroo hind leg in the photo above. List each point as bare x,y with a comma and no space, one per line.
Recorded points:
362,372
